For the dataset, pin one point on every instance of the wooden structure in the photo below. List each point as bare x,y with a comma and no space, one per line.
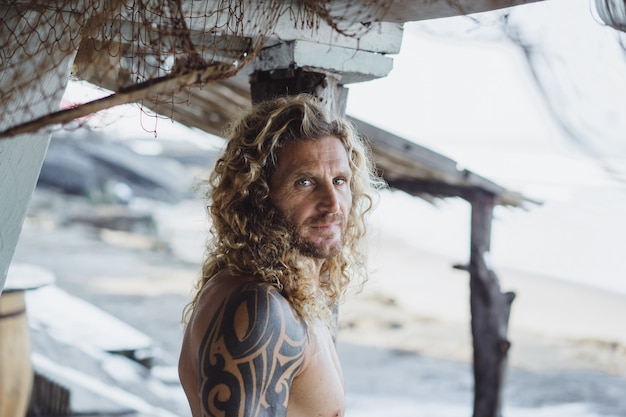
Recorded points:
16,371
290,63
419,171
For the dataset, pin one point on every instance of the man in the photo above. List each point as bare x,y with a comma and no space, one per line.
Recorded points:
287,203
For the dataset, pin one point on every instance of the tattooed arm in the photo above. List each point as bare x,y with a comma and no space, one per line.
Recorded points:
253,348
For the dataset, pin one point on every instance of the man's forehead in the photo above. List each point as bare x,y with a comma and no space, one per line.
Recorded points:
328,149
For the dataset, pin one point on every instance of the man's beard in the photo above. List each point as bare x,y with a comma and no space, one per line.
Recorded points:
311,249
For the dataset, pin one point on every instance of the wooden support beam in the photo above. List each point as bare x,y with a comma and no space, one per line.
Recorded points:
266,85
348,65
433,188
402,161
490,310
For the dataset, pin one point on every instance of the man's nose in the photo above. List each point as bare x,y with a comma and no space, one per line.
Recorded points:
329,198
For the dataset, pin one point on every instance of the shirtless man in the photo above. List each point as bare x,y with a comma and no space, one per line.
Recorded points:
287,203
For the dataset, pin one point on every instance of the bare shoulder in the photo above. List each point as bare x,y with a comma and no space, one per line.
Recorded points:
256,310
252,348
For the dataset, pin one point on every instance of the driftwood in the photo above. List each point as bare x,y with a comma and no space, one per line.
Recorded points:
490,310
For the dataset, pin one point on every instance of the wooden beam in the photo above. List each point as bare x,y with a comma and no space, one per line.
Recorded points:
294,21
435,189
417,169
347,64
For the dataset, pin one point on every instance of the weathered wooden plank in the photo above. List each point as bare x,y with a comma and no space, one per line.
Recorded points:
348,65
211,27
208,107
291,22
377,37
436,189
411,166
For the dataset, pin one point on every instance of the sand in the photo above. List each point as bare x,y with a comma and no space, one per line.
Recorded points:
576,325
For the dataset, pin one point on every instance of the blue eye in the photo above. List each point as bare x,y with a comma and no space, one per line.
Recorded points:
339,181
303,182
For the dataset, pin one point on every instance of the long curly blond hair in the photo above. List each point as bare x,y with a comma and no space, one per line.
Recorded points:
249,235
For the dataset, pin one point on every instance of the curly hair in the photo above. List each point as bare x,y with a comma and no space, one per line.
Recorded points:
248,234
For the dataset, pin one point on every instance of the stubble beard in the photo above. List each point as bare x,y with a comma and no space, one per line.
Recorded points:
312,249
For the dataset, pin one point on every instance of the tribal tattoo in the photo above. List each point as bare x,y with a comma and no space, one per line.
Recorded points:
250,354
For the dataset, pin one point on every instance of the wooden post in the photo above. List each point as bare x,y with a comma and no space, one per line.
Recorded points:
265,85
490,310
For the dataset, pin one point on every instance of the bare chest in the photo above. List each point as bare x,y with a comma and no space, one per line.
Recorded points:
318,390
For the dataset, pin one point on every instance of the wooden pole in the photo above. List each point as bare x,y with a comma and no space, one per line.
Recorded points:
490,310
265,85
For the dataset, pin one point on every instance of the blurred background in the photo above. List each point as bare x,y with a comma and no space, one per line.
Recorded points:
532,98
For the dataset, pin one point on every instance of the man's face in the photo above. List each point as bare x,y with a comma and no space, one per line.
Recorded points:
311,188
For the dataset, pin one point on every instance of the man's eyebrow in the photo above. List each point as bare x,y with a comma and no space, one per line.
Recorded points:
340,173
344,173
299,174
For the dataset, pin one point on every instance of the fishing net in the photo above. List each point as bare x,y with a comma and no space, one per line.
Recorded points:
146,51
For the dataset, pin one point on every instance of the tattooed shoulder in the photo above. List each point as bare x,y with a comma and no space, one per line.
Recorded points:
252,350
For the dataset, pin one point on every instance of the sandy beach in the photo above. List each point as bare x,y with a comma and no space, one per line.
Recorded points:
404,340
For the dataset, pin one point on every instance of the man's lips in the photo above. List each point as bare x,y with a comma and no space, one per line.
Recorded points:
327,228
326,221
325,225
330,224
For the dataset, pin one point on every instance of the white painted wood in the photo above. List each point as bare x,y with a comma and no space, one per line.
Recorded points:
204,15
382,17
379,37
21,157
20,162
346,64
